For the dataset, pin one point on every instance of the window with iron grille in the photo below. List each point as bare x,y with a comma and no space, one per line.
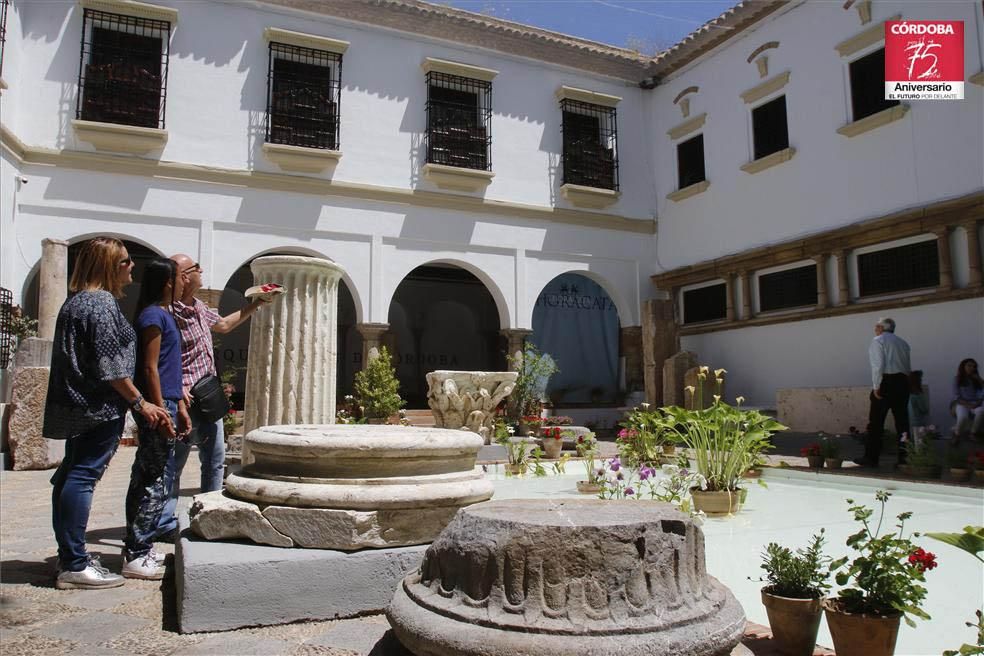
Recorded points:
868,85
590,144
899,269
705,303
303,96
771,133
459,121
3,30
788,289
6,329
690,161
123,69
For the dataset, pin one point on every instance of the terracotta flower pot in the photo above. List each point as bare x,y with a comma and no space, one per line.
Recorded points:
752,473
588,487
815,462
515,470
959,474
724,502
833,463
794,623
861,635
552,447
979,476
669,449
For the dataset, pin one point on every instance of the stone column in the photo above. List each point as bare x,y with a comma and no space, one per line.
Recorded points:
372,334
946,268
844,289
821,261
630,347
973,254
53,285
746,296
290,378
660,340
516,346
729,290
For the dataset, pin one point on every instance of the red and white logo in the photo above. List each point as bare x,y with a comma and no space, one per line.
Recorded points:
924,60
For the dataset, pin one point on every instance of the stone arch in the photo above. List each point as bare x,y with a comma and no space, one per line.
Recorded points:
576,320
140,250
501,304
442,315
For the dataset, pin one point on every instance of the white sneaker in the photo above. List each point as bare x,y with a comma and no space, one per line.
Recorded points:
91,578
144,567
93,560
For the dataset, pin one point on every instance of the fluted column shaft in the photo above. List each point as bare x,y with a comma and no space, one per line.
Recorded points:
53,287
821,261
291,374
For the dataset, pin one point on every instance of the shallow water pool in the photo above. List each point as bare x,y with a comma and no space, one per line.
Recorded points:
795,506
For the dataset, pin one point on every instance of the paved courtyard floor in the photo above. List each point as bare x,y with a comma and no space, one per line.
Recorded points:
140,617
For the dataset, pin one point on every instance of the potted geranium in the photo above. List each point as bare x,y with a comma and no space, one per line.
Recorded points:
795,593
831,453
813,454
587,449
553,442
644,437
885,585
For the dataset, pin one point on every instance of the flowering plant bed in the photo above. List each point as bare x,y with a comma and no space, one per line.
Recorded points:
558,420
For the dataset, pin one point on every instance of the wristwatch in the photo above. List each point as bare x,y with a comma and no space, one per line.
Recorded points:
137,403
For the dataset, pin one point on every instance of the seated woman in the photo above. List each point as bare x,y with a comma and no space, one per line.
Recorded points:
918,405
159,378
968,400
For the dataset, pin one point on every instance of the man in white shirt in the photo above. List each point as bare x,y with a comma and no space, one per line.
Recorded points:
889,358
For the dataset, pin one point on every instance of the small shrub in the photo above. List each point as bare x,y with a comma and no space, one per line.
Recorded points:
376,389
799,575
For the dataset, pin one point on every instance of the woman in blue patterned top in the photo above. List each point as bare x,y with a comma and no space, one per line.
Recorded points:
159,378
89,390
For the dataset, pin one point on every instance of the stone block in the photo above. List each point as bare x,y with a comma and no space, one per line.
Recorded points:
349,530
215,516
227,585
29,449
32,352
828,409
674,370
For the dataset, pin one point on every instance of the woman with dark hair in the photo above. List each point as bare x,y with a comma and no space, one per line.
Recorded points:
968,399
159,378
89,391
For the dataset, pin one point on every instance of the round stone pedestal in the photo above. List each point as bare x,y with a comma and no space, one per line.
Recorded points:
345,487
561,577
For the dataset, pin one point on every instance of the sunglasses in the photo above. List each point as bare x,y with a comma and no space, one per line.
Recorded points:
126,261
194,267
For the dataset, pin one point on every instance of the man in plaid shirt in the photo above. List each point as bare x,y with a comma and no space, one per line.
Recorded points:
197,321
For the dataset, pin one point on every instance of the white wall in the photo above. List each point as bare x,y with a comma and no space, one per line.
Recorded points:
933,153
833,352
216,100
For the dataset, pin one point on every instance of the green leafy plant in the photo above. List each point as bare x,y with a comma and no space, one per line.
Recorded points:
229,421
829,448
971,541
886,575
643,434
726,441
802,574
534,369
921,453
376,389
587,449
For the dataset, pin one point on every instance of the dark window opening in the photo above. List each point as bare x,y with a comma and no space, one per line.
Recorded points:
771,133
303,97
914,266
123,69
788,289
868,86
459,120
590,144
690,161
705,304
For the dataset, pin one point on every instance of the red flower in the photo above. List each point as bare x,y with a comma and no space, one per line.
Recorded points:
810,450
922,559
556,433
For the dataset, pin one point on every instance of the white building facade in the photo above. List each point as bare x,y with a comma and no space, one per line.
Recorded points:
384,192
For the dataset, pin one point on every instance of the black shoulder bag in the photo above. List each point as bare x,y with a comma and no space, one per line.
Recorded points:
208,399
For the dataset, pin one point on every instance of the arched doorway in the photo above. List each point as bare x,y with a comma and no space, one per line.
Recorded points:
441,317
232,349
128,304
576,322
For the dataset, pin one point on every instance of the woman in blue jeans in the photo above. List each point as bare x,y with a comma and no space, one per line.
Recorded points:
159,378
89,390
